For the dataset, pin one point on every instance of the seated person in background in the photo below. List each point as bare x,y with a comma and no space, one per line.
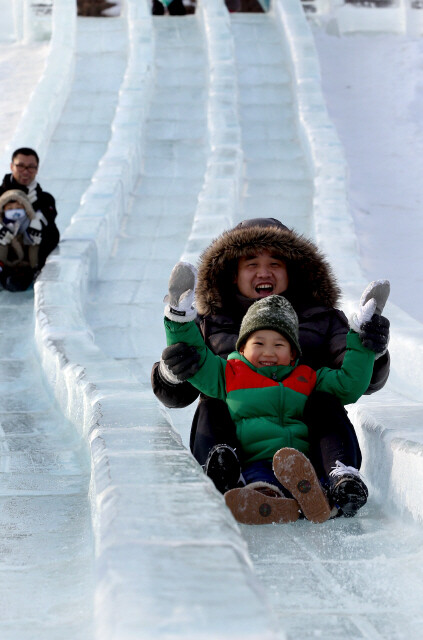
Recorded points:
178,8
20,236
24,167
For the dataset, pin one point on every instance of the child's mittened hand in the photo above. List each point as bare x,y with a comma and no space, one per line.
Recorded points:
180,299
179,362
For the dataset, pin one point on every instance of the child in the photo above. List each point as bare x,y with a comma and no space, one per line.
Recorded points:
266,389
20,235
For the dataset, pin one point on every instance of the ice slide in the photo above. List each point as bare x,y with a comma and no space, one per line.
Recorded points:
171,130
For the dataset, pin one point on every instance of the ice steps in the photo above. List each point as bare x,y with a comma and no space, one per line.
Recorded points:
277,179
84,130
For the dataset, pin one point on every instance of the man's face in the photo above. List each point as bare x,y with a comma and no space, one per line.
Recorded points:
261,275
24,169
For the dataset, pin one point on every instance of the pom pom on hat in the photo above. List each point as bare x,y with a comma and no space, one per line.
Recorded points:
275,313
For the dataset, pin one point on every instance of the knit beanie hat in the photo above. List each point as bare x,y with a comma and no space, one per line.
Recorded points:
273,312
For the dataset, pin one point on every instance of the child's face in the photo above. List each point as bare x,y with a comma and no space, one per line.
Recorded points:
12,205
266,348
13,212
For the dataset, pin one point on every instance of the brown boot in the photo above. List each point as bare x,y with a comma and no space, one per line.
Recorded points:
261,503
296,473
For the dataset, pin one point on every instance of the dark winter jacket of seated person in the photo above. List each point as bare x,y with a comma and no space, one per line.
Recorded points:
266,399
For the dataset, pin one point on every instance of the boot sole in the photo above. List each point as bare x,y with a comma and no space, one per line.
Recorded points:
249,506
296,473
223,468
349,498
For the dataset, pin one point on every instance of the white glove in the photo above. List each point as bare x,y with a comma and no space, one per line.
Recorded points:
180,299
35,229
373,300
7,232
379,290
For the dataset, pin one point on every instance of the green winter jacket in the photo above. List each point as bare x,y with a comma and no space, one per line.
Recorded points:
267,403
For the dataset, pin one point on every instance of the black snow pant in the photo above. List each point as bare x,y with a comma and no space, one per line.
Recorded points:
16,278
212,425
332,436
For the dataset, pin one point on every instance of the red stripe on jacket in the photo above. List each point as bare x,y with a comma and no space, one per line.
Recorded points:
240,376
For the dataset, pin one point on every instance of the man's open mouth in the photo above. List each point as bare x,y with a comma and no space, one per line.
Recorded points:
264,289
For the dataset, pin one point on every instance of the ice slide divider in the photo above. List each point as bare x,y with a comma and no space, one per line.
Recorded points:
129,508
219,197
396,471
46,103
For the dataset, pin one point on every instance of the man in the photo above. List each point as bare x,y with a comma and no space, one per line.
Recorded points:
258,258
24,169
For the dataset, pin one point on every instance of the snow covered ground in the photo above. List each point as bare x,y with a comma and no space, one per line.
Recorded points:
373,84
159,569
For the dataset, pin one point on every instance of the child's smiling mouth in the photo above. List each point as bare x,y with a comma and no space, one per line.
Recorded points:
266,363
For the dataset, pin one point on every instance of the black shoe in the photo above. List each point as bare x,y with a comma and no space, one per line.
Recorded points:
157,8
348,493
223,467
176,8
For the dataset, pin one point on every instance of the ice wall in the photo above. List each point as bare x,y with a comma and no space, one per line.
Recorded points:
218,200
32,20
45,106
397,17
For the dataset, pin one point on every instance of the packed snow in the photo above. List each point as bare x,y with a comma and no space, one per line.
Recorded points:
373,85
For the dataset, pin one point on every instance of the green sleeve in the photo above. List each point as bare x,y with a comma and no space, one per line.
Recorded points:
210,378
351,381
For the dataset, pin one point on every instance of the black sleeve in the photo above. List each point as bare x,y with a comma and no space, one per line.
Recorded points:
173,396
46,204
380,374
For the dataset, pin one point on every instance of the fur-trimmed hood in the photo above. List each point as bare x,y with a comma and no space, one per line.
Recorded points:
16,195
311,281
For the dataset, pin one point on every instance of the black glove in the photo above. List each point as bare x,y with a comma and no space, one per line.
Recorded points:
374,334
182,360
